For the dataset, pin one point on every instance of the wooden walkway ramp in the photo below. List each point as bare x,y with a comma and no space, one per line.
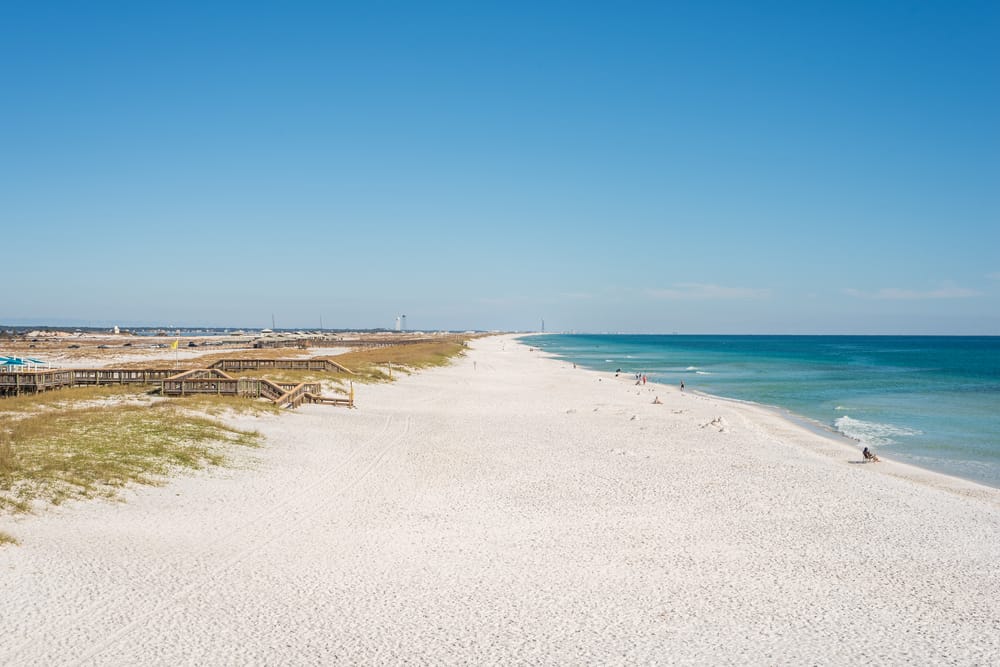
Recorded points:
214,381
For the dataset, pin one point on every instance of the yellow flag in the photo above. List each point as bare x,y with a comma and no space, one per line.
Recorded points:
173,346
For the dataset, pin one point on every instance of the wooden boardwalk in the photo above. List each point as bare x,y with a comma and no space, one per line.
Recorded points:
178,382
238,365
214,381
32,382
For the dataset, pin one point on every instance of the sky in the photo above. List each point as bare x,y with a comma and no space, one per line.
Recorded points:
697,167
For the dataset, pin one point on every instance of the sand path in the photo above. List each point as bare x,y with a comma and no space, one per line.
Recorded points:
512,509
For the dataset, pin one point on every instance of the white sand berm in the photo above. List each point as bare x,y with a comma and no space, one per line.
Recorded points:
512,509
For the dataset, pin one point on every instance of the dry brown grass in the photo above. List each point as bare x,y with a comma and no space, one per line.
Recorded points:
371,365
209,358
289,375
215,405
82,450
7,539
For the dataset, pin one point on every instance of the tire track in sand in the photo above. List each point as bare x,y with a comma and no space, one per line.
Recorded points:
242,528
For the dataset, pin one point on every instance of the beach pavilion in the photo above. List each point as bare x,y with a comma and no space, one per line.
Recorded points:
16,364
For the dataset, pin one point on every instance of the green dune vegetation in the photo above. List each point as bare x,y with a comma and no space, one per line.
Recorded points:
90,442
93,442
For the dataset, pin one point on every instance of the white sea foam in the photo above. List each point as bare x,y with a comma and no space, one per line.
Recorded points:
691,368
872,433
702,373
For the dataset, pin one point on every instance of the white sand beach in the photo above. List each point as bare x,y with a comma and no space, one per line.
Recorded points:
511,509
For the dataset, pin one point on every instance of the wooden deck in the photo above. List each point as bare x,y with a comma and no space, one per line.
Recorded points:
101,376
13,383
238,365
214,381
175,382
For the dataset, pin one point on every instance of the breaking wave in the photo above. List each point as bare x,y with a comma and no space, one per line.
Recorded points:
872,433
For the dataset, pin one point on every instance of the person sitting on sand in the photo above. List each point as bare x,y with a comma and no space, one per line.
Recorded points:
870,455
657,401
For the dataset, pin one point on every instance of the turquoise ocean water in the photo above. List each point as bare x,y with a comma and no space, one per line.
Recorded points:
933,401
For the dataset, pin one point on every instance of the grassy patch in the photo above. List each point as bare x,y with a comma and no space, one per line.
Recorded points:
371,365
208,358
7,539
284,375
68,396
213,404
84,451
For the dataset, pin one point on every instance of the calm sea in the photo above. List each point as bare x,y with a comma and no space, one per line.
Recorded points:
933,401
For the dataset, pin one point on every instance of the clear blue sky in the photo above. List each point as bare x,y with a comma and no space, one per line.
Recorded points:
797,167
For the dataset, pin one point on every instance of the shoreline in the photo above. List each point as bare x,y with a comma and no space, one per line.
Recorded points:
852,448
509,508
901,468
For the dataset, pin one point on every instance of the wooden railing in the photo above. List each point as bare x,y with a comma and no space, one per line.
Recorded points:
171,381
34,381
286,364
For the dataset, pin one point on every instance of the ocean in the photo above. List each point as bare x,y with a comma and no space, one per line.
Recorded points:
933,401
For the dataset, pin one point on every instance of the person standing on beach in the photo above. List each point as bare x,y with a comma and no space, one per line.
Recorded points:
682,385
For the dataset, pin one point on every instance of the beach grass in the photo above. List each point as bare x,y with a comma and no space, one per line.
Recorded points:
90,442
209,358
284,375
372,365
215,405
18,405
7,539
82,449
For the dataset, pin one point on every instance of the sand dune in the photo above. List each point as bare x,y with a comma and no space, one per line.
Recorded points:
517,510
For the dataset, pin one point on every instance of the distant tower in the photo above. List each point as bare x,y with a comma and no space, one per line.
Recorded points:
404,322
398,317
543,325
